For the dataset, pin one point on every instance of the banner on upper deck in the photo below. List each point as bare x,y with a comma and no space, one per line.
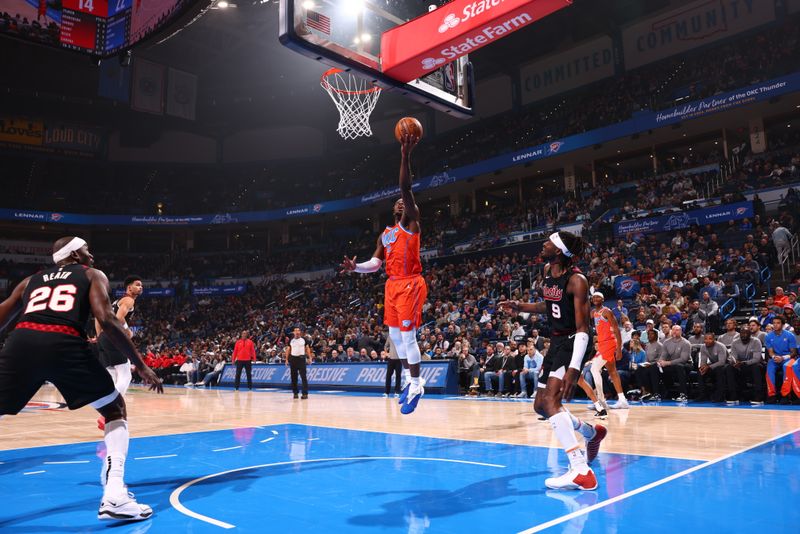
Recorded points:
685,219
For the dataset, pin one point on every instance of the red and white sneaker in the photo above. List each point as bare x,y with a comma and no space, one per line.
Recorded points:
574,479
593,445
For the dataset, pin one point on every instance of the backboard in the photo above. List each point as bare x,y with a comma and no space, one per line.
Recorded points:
347,34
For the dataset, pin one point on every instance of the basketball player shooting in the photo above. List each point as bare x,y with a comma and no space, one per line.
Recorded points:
49,344
566,302
115,362
406,290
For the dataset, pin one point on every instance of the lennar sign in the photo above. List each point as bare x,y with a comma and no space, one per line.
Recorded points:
463,26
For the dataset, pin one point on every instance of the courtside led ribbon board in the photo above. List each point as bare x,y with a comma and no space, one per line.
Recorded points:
454,30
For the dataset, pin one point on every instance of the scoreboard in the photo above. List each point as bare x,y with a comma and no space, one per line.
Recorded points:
99,27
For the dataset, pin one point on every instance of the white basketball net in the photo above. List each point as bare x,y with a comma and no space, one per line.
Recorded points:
355,98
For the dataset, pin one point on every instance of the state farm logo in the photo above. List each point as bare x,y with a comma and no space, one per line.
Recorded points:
449,22
431,63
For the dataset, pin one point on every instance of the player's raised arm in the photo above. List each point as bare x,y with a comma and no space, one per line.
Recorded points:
410,208
349,265
12,306
101,308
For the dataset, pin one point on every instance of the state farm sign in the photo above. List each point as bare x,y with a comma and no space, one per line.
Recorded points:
457,29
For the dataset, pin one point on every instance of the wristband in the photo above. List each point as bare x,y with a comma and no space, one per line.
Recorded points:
579,346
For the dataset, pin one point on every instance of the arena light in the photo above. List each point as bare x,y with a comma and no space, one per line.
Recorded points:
308,4
353,7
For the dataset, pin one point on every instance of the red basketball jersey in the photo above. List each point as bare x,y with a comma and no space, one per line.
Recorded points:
402,252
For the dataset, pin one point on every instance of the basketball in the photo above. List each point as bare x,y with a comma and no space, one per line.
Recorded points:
408,126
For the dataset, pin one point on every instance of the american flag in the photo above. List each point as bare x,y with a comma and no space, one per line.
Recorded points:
318,21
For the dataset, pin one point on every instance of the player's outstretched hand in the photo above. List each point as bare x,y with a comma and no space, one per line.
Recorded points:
407,143
348,265
568,384
509,305
150,378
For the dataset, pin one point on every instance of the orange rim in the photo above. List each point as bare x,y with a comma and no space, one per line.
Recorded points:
331,72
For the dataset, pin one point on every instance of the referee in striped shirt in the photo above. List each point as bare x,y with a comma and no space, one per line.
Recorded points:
297,353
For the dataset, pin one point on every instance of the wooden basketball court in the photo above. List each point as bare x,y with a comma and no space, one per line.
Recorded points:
187,437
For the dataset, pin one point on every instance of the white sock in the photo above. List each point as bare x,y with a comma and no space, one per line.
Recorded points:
597,406
406,376
565,433
621,397
415,381
116,439
586,430
597,375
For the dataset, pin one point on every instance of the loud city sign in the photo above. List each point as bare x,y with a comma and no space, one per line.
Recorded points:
461,27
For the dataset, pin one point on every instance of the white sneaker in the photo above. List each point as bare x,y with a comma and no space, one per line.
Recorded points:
621,404
573,479
414,395
385,395
123,508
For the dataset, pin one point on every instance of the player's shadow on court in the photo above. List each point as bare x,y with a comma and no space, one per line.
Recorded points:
483,495
27,463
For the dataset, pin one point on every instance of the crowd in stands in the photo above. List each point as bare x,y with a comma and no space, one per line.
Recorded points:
760,56
36,29
683,280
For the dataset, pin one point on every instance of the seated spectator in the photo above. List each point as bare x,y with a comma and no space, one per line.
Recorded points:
633,355
782,354
214,375
489,368
780,299
731,333
468,371
712,368
746,365
190,369
529,374
654,351
672,366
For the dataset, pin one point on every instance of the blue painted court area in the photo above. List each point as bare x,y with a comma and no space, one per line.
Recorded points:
296,478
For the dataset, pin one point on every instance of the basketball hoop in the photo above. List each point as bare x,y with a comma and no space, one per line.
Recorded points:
355,98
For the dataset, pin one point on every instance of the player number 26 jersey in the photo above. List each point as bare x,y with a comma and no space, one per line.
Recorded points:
401,252
58,296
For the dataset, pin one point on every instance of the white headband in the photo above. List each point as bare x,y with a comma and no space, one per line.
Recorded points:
64,252
556,239
598,294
